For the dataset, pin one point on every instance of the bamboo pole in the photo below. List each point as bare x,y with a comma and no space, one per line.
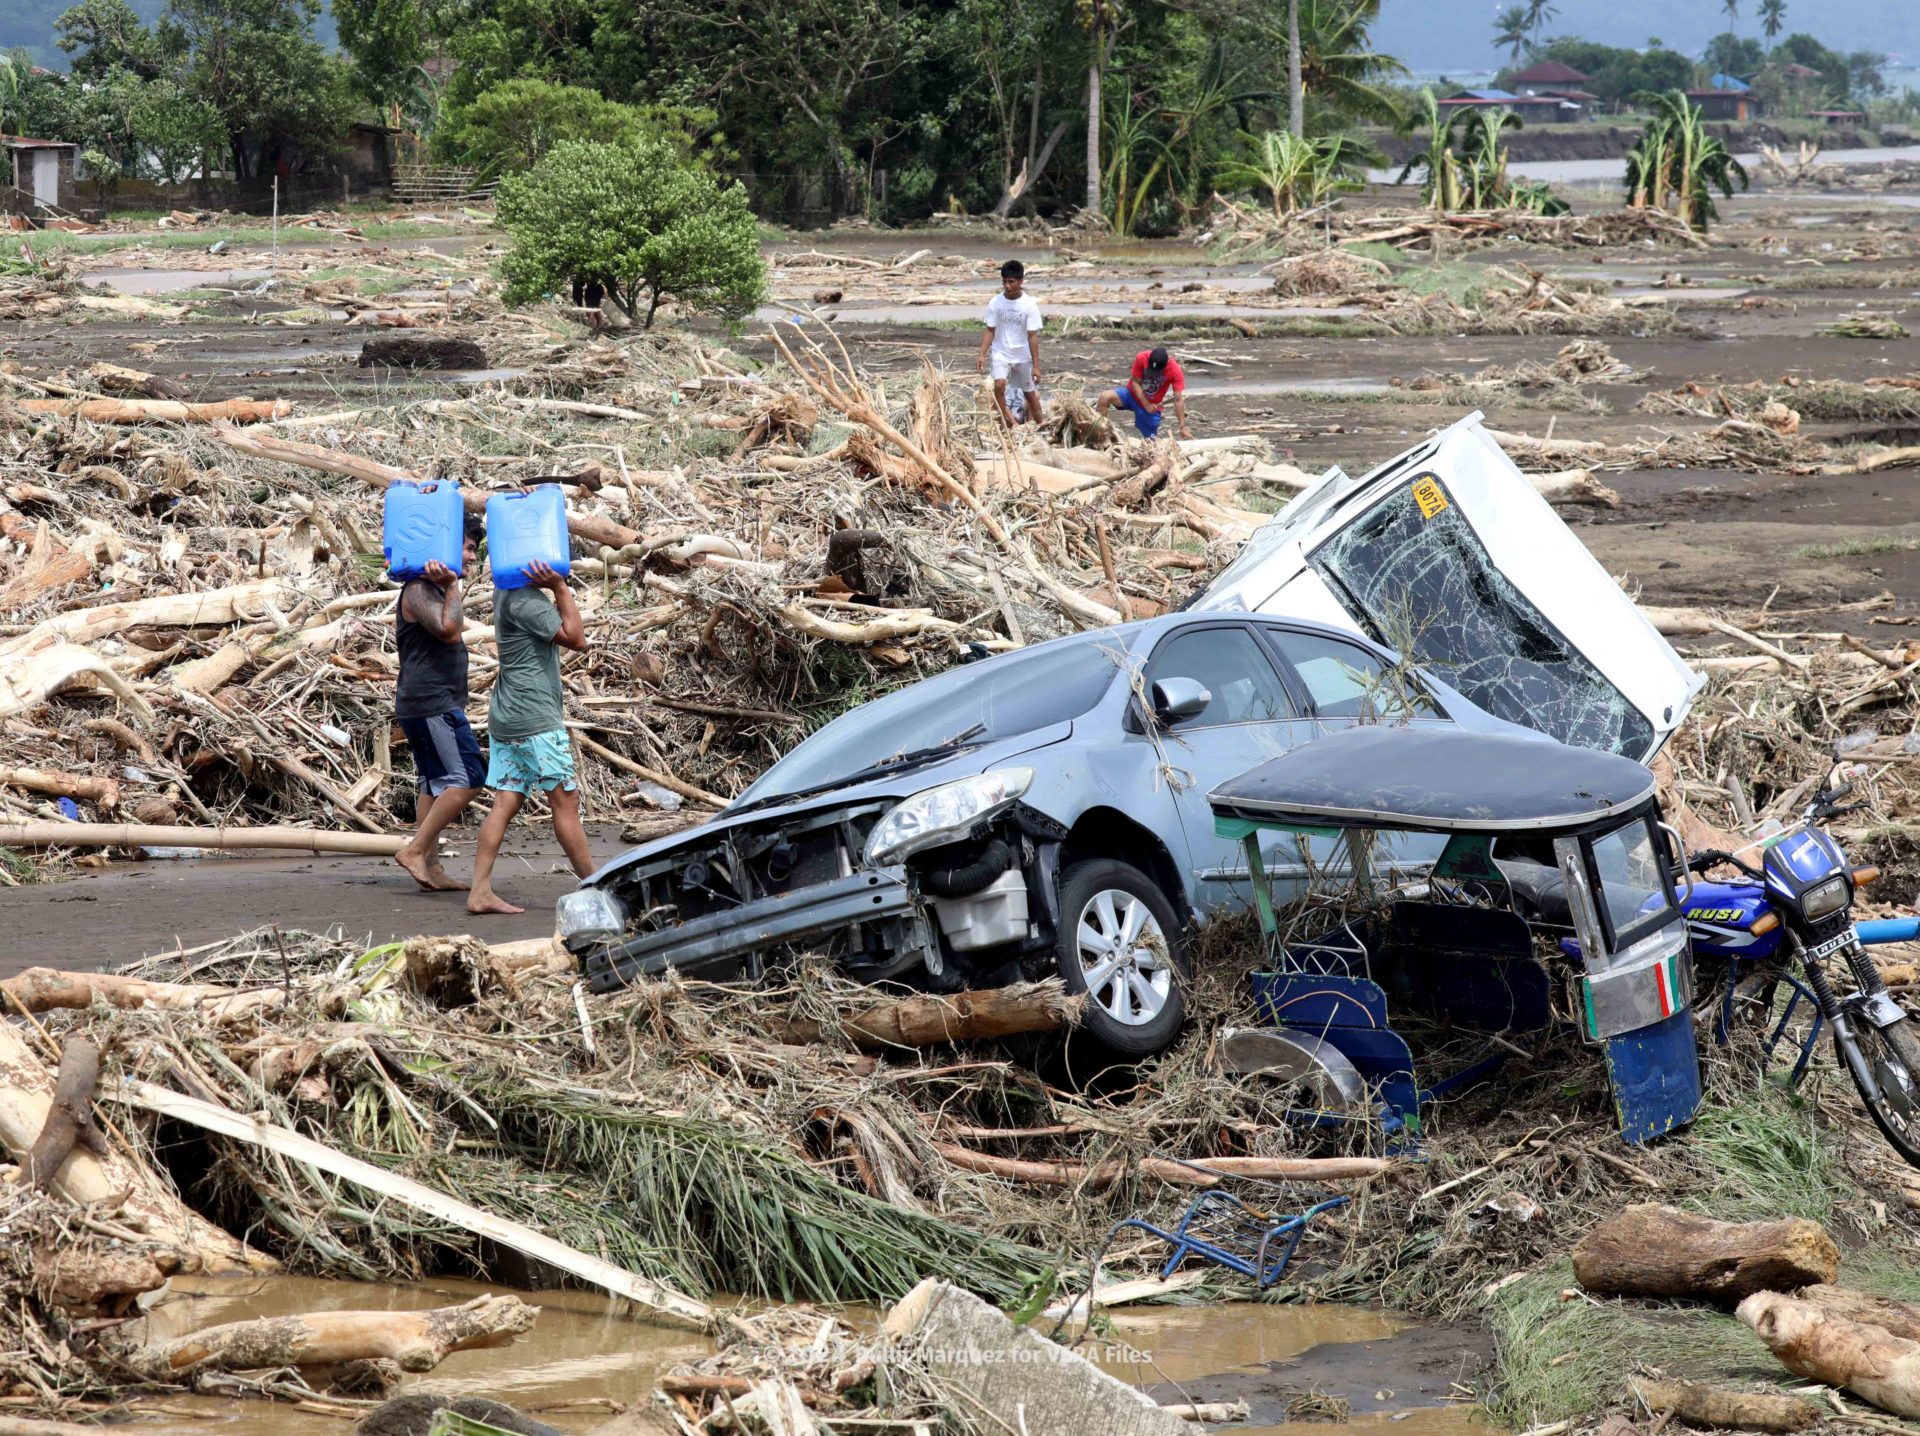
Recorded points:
139,835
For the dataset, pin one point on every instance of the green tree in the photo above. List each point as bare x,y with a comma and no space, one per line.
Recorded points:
1800,48
641,218
514,124
104,35
175,132
257,65
1773,17
1731,54
15,71
1295,173
1866,73
389,42
1512,31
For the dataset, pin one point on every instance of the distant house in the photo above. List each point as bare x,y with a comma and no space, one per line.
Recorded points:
1735,105
1795,71
1732,84
370,155
38,173
1534,109
1545,77
1839,117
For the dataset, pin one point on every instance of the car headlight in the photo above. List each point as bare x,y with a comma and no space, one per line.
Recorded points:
943,814
589,915
1829,897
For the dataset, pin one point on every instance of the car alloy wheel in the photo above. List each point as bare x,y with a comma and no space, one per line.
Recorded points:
1124,955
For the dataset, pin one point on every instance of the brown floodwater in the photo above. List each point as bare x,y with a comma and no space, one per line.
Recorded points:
584,1358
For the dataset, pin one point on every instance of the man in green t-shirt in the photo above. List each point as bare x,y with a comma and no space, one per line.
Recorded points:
528,748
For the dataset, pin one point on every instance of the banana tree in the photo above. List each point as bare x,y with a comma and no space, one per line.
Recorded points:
1484,155
1677,165
1442,185
1295,173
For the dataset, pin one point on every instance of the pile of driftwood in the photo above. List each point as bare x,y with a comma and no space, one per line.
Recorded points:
1238,229
195,628
442,1106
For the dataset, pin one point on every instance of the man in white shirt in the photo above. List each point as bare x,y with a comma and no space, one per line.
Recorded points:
1012,340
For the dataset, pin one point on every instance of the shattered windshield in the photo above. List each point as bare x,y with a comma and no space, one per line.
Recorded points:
1416,573
1000,698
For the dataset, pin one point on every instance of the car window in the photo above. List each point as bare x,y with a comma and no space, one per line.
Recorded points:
1018,693
1240,680
1344,680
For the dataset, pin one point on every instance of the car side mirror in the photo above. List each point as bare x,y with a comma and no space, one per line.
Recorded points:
1177,699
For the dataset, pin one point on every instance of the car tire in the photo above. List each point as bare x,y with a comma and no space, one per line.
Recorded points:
1120,942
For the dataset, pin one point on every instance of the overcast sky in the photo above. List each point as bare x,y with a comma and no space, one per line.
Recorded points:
1458,34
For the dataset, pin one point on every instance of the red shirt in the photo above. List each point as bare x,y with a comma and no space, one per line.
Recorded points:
1172,378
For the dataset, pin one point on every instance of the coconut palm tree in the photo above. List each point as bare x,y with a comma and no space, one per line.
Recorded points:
1539,12
1339,68
1513,31
1732,7
1773,17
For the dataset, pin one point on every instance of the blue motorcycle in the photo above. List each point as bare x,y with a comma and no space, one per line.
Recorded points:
1790,920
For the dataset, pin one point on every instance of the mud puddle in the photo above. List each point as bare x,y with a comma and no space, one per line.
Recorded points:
584,1358
172,281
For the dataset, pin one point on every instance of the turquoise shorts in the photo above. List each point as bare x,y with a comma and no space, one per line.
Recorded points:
531,765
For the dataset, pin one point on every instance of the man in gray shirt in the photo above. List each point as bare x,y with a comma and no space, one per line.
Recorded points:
528,747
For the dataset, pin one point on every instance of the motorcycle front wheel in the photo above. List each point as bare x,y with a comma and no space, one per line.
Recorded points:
1892,1055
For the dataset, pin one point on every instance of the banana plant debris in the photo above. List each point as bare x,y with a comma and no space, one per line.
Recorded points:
770,527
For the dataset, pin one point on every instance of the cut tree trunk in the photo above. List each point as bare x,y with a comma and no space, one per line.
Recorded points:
861,559
162,411
218,607
1030,172
104,791
70,1119
1650,1250
1096,1176
29,678
138,382
1869,1361
414,1340
1699,1405
928,1020
421,351
26,1099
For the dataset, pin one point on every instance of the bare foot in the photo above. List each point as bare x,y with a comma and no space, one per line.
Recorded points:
419,868
444,881
482,903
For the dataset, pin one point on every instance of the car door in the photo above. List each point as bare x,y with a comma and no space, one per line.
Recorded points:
1449,554
1338,683
1251,715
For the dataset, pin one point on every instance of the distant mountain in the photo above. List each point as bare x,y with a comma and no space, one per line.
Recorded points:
28,25
1431,35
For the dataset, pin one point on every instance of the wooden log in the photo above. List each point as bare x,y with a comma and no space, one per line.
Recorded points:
414,1340
655,1296
1096,1176
927,1020
162,411
147,1204
1901,1318
1651,1250
1700,1405
239,603
47,989
21,1426
421,351
118,380
95,1278
104,791
1810,1341
70,1118
1574,486
601,532
1211,1413
137,835
889,624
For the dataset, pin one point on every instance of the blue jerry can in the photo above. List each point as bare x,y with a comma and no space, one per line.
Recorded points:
422,523
525,529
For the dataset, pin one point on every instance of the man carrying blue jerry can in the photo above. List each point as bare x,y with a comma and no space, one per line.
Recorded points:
534,617
430,542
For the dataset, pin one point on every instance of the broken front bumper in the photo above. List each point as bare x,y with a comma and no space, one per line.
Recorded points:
872,895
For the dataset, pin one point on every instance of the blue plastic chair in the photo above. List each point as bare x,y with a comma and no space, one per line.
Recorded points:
1228,1232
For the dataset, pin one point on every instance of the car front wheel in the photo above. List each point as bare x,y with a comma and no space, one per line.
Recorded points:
1120,944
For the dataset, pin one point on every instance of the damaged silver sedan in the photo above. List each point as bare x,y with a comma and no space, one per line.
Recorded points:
1045,811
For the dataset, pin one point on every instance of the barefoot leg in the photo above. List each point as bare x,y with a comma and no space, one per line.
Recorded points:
421,856
572,834
482,898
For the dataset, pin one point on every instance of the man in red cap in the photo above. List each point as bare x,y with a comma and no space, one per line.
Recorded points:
1155,372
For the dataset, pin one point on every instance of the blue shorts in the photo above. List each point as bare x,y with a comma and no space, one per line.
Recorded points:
531,765
445,753
1147,424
